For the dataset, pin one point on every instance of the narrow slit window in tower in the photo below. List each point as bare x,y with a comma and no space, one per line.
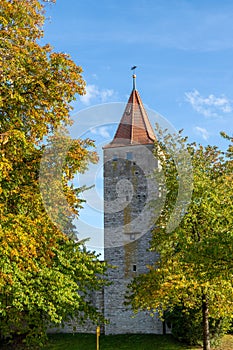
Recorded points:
129,155
132,236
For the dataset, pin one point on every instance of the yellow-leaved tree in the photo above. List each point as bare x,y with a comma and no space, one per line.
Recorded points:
44,273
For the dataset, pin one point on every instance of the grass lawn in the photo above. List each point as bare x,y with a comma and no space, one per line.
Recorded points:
114,342
227,343
124,342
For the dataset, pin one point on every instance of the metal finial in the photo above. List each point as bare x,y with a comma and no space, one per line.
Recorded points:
134,81
134,77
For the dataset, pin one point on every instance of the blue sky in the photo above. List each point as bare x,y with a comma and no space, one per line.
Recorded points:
183,50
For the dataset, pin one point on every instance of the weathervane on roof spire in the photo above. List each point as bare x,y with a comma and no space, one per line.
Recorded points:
134,77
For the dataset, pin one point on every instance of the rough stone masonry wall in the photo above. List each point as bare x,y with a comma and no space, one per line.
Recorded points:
122,319
74,326
127,221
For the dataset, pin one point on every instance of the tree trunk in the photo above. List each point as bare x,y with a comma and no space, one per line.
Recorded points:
205,322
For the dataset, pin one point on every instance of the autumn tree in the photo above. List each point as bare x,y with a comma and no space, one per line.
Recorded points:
195,269
45,274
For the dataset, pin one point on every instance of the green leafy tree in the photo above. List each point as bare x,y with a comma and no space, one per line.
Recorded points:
195,267
45,275
187,326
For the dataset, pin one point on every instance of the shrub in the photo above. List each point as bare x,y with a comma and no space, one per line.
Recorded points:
187,326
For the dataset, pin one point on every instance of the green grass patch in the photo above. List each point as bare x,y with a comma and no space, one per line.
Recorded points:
226,343
113,342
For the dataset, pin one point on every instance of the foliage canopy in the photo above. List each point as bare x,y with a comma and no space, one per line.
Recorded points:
195,267
45,275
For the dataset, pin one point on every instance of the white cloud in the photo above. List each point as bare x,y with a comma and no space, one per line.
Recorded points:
202,132
102,131
105,94
210,106
91,93
94,93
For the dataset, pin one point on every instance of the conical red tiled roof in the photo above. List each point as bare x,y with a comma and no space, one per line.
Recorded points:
134,127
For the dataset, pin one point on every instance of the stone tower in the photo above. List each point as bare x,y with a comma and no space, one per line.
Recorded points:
128,189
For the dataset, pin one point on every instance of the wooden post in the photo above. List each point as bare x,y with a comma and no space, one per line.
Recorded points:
97,337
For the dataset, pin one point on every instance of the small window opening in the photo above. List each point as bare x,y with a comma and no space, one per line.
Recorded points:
128,110
114,157
132,236
134,268
129,155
